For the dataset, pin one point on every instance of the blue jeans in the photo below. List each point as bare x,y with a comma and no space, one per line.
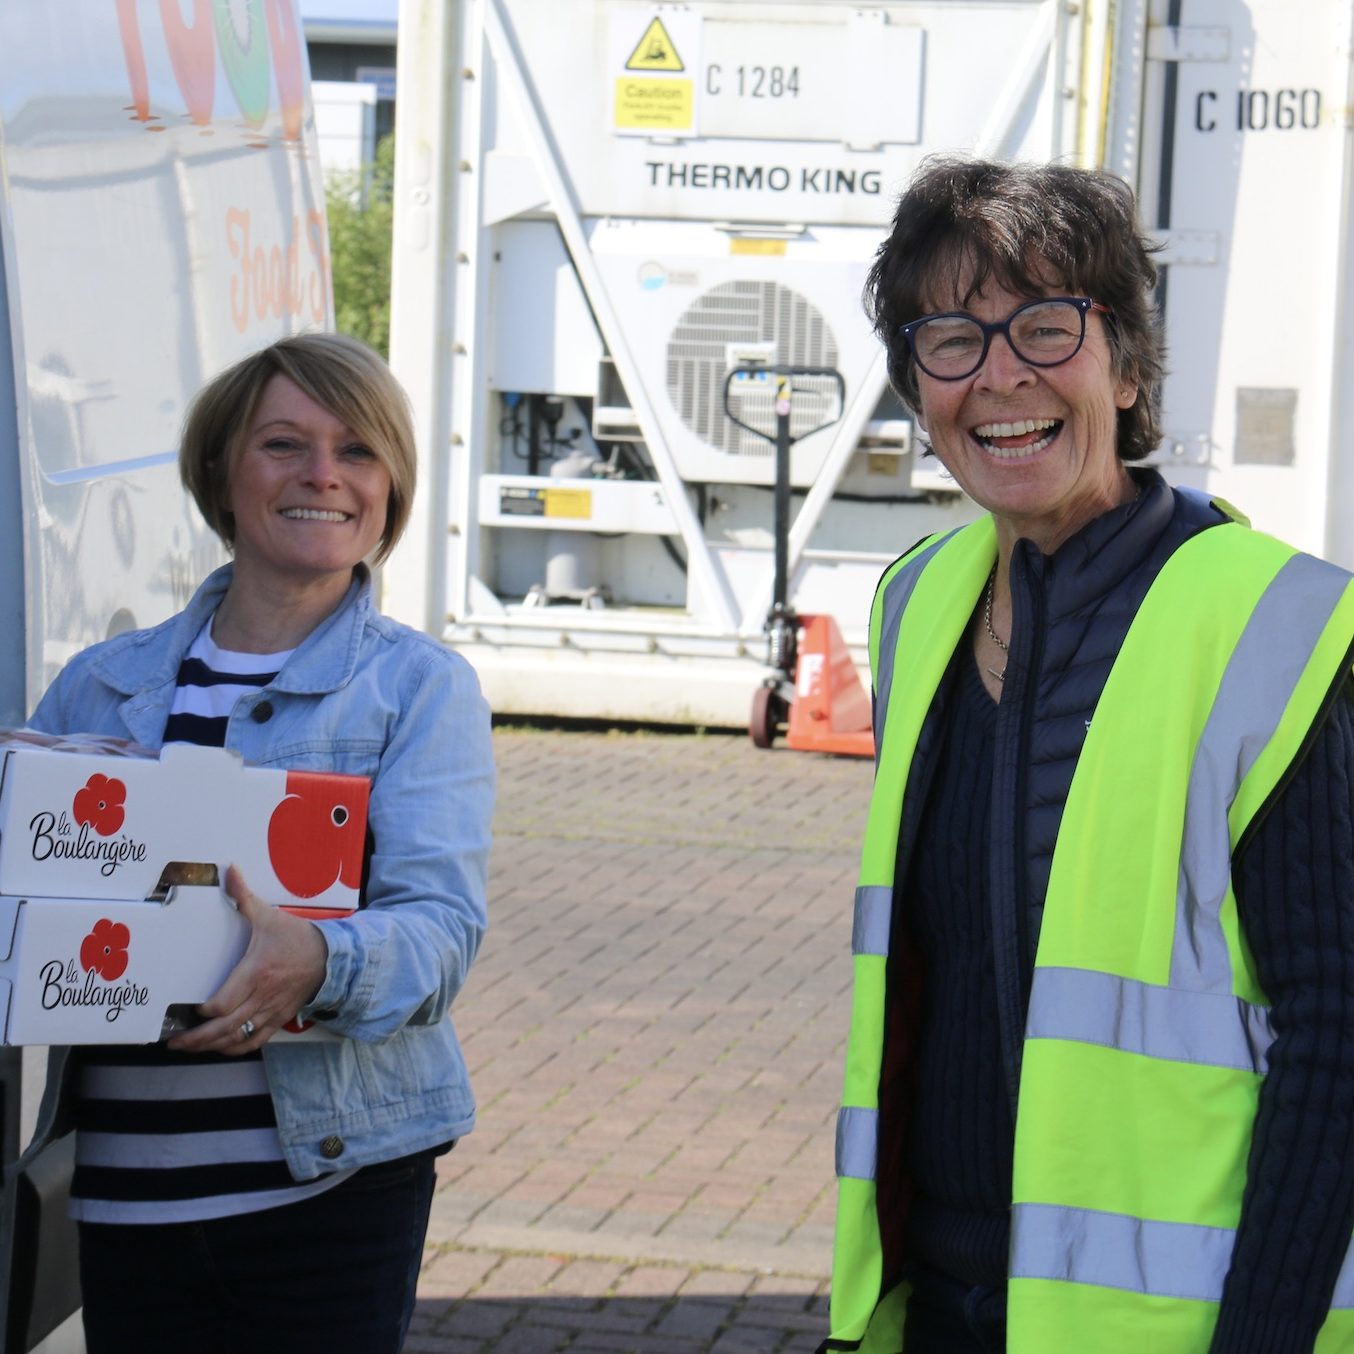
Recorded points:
334,1274
946,1316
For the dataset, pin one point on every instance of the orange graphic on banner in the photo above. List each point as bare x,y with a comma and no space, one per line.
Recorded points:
275,278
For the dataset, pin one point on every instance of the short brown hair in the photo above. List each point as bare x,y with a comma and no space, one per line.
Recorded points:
344,376
981,219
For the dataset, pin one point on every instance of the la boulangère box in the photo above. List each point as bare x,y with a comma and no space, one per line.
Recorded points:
113,921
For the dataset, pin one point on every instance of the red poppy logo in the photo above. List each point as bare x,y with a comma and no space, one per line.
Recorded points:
104,949
99,805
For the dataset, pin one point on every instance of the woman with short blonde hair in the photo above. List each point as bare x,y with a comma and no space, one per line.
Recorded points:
236,1188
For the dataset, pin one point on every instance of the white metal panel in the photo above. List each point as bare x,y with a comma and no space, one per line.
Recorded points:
650,687
770,82
164,216
15,611
1340,489
532,116
1256,235
771,152
437,84
542,502
543,336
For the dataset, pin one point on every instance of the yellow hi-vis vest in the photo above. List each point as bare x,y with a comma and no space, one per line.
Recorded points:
1147,1032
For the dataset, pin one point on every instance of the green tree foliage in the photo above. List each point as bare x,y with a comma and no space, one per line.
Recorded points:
360,206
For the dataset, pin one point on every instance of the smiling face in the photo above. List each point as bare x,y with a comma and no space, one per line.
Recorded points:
1035,446
309,498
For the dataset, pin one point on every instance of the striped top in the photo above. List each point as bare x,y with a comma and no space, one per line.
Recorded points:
179,1137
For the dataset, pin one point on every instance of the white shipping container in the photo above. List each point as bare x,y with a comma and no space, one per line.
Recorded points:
605,206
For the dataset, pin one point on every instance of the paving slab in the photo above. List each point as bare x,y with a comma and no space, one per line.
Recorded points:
655,1029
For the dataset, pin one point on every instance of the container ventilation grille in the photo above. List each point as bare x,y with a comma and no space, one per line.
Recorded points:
753,315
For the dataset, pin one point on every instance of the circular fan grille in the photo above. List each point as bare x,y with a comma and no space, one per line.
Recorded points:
751,315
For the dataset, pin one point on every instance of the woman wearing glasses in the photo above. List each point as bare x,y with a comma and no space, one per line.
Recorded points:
1100,1084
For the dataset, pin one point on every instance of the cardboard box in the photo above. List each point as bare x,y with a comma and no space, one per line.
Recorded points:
82,971
76,825
95,948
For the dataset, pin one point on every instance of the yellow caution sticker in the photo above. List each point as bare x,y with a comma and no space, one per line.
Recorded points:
661,105
655,51
741,245
575,503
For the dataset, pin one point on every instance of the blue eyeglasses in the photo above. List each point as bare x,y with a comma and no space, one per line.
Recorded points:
1044,333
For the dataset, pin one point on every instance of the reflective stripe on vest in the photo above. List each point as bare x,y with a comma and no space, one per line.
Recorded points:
857,1127
1215,1029
871,920
1166,1259
857,1142
1255,690
896,593
1224,670
928,631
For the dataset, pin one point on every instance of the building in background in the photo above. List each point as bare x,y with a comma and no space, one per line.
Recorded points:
352,67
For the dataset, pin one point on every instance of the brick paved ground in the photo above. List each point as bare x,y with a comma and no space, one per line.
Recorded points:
655,1029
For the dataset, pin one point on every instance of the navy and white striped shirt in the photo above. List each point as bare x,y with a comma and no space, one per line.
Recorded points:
179,1137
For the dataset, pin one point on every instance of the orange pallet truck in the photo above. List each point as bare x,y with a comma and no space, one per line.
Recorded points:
815,692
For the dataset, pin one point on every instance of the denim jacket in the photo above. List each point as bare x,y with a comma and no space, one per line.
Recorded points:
367,696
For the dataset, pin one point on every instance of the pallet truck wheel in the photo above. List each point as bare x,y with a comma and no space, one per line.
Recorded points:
765,718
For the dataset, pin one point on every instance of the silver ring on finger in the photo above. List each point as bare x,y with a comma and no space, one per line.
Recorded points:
247,1029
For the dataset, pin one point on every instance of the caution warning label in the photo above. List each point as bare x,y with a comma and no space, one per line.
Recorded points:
653,105
655,54
655,51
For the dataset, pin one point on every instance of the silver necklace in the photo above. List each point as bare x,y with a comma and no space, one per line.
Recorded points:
987,621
